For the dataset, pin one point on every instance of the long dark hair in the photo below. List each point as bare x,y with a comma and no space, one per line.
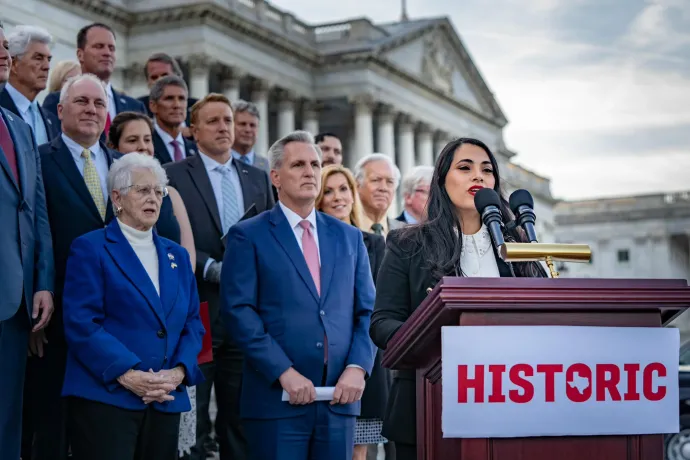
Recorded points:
436,237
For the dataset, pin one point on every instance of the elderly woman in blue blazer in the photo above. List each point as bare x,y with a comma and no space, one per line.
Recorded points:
131,314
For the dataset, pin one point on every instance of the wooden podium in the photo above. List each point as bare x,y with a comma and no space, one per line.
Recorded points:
526,301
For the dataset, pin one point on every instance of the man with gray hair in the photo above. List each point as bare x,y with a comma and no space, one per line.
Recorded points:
415,191
75,167
247,121
26,263
294,281
29,47
161,65
377,180
168,104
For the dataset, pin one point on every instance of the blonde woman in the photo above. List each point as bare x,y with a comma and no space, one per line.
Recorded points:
60,73
338,198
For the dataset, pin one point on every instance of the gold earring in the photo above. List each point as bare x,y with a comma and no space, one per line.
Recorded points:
118,210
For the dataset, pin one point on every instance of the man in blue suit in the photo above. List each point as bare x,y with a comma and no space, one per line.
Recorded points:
96,54
26,262
75,166
300,321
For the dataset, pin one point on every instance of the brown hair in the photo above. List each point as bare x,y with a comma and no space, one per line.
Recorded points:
211,97
117,126
332,170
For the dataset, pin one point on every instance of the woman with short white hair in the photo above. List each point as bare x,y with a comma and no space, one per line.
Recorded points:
131,319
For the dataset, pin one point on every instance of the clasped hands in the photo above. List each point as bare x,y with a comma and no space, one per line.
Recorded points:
153,386
349,388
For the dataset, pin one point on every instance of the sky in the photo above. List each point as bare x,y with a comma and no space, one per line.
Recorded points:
597,92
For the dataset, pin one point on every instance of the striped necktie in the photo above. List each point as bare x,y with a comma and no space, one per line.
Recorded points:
231,208
93,182
39,130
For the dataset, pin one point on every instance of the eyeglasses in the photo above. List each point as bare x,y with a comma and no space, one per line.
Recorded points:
143,191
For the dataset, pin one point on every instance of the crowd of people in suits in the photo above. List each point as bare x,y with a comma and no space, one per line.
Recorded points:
121,217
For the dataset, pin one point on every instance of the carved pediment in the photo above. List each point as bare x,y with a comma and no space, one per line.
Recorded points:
436,66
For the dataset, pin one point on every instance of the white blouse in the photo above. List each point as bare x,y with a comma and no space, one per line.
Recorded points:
477,258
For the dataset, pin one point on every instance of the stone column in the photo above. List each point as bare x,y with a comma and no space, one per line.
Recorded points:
286,113
310,117
364,135
406,160
386,131
441,138
199,69
133,81
259,97
425,145
231,83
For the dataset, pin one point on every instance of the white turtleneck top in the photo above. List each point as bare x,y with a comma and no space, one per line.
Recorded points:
142,243
477,258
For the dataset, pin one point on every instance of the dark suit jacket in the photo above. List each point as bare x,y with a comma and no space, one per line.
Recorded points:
376,392
401,217
278,319
161,151
191,180
402,286
71,212
26,253
190,102
108,296
123,103
51,121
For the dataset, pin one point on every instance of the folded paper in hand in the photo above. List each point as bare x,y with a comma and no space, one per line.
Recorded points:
322,394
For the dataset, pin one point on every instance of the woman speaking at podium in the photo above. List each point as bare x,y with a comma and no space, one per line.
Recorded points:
452,242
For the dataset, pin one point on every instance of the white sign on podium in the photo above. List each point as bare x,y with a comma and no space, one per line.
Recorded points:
523,381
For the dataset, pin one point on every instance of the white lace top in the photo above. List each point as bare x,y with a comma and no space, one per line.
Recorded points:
477,258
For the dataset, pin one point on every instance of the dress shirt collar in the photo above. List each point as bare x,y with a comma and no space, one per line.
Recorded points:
210,164
294,219
21,101
167,138
238,156
367,222
76,149
409,218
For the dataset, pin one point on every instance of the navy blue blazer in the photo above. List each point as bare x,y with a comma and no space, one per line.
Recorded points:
71,210
51,121
26,252
275,315
123,103
116,321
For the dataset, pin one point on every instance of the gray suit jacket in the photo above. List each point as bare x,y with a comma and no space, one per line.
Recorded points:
262,163
394,224
26,249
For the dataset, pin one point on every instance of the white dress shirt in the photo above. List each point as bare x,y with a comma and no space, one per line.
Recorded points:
112,109
145,249
477,258
97,156
294,219
168,139
216,177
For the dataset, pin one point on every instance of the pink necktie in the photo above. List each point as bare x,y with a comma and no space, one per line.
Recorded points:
311,255
177,151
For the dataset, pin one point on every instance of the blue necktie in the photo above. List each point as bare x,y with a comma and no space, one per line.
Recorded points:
37,126
231,209
245,158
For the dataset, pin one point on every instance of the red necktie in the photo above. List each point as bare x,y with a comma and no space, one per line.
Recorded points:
311,255
8,147
107,125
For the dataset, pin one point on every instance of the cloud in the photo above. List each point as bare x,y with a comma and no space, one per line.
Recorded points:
597,92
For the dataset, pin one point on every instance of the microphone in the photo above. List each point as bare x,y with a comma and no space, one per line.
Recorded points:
522,205
488,204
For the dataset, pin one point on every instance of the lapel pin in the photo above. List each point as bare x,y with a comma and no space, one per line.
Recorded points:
171,257
9,117
50,122
123,101
173,265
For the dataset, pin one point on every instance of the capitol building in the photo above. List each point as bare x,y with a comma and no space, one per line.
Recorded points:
402,88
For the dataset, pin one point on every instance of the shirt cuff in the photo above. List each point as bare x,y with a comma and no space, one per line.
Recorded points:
356,367
209,261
